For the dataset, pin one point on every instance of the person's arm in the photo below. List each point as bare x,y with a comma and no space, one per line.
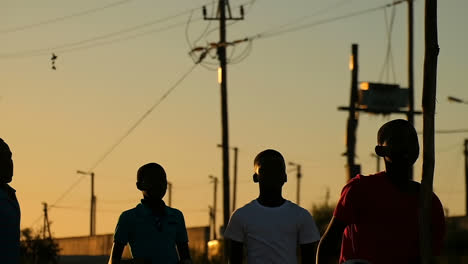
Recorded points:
308,252
116,253
237,252
328,250
184,253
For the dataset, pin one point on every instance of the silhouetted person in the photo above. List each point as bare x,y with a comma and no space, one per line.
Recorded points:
377,217
155,232
270,227
9,210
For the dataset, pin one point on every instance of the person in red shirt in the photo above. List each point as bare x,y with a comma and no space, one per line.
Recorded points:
377,216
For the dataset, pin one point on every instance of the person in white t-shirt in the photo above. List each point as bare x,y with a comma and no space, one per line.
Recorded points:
271,227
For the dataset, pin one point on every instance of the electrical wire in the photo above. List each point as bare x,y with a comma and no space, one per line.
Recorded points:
54,204
109,42
271,33
76,45
93,39
128,132
388,62
249,5
313,14
195,42
142,118
448,131
62,18
206,64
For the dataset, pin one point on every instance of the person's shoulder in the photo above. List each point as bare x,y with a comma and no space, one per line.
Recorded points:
300,211
130,213
247,208
174,211
371,179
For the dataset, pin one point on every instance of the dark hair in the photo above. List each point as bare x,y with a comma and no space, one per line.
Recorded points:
400,130
269,160
4,145
150,169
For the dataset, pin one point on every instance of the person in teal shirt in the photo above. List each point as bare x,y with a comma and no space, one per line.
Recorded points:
155,232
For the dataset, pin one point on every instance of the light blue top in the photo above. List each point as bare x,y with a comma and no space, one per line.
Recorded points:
151,237
9,227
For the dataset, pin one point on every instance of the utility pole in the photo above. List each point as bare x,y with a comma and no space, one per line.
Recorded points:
431,54
377,158
92,221
234,181
353,168
299,176
222,79
210,215
410,115
215,194
46,225
169,198
234,191
466,176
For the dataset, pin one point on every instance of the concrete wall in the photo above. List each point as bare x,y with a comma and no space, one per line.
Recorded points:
96,249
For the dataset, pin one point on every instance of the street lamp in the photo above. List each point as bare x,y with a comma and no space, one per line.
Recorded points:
234,181
299,175
92,222
461,101
214,180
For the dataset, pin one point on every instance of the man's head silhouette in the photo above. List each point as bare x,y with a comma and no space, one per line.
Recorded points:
398,143
151,181
6,163
270,169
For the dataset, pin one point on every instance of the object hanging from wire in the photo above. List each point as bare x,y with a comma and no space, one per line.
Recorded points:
53,59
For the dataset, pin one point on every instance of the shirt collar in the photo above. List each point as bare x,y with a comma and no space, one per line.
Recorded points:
146,210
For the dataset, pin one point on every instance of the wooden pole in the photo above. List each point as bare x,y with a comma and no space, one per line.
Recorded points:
410,114
428,106
352,119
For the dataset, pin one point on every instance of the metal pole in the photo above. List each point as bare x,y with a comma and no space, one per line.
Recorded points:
466,176
92,215
93,208
169,198
234,191
410,68
377,161
45,221
298,192
210,213
215,194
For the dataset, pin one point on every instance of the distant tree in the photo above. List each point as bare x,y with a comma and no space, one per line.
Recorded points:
323,212
456,239
36,250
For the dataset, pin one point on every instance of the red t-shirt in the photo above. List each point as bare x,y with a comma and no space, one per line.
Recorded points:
383,222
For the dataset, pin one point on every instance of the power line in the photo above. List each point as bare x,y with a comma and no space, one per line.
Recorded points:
271,33
143,117
62,18
313,14
388,62
68,191
93,39
129,131
448,131
108,42
206,32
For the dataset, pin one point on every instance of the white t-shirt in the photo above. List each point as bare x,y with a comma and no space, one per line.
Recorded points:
272,234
